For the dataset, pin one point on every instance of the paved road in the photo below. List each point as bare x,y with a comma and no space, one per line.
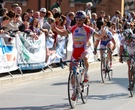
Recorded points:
50,93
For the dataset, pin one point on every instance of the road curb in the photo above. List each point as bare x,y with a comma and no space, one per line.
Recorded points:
19,78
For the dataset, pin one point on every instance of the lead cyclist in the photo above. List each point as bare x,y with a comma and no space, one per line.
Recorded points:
81,34
128,39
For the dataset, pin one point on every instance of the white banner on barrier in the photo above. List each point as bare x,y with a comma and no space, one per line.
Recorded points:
8,55
31,52
60,51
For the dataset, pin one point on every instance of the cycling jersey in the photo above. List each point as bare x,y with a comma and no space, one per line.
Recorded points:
81,36
106,39
130,44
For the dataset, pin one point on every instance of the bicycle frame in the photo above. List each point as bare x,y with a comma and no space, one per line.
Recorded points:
104,64
132,70
75,77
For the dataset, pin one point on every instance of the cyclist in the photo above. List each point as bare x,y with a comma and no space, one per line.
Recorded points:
107,41
81,34
127,40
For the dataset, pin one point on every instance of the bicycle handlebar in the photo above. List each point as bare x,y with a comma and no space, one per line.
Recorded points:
66,61
103,49
130,56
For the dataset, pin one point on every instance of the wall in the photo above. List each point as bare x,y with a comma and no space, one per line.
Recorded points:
109,6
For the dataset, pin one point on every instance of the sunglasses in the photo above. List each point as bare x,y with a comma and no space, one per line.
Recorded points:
79,19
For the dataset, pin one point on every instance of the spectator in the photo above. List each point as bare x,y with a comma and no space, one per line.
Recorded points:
48,15
5,21
116,18
57,5
100,18
13,6
1,4
69,19
3,12
58,20
87,21
42,17
88,9
29,31
63,22
34,26
30,12
18,11
14,23
132,13
36,14
93,21
108,21
54,10
25,17
93,17
47,25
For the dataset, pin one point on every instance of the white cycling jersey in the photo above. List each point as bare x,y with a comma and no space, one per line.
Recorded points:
129,44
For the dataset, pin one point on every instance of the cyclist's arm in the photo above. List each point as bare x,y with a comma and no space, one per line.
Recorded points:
99,36
96,44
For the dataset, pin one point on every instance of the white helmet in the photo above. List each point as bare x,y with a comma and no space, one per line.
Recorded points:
127,34
80,14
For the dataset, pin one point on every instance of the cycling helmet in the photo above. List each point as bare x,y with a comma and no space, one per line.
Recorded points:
128,34
80,14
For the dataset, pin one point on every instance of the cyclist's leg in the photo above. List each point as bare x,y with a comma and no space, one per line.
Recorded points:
85,57
129,72
75,56
110,45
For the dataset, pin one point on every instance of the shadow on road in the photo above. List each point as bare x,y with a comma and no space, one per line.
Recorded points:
48,107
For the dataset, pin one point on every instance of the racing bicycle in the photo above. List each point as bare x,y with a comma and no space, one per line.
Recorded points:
106,72
132,70
81,88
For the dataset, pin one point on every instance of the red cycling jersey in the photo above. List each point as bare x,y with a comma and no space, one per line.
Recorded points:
81,36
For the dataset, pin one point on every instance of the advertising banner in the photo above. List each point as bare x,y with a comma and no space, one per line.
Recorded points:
31,51
8,54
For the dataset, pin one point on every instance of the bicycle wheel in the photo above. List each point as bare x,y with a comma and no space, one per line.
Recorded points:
131,83
85,92
103,69
131,88
70,90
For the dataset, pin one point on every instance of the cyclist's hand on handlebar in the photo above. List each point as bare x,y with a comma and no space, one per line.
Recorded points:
94,52
120,60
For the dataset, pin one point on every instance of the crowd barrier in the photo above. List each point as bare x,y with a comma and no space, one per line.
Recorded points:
25,53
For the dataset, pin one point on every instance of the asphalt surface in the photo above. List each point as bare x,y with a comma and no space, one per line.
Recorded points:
29,75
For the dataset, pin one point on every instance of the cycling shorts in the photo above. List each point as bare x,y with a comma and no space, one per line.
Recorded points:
103,44
77,52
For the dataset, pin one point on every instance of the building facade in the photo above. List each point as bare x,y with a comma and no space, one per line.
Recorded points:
109,6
